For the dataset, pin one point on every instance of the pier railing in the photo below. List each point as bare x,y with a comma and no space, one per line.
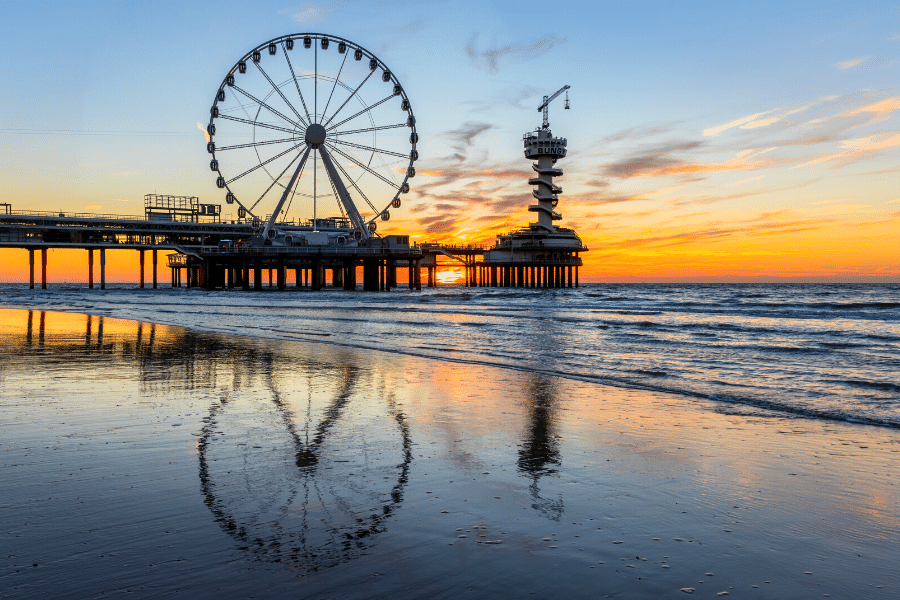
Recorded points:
412,251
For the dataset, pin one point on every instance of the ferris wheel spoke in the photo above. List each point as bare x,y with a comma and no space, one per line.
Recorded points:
274,181
296,83
370,148
353,183
267,161
278,89
269,108
365,167
366,109
253,144
287,190
315,180
348,99
336,79
368,129
257,123
315,82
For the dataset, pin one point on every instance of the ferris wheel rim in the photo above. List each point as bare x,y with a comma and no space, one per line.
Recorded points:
317,38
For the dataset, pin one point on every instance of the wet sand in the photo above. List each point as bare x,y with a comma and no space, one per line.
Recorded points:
151,459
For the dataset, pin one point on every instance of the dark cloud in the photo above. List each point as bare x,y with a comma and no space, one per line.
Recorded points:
439,225
655,161
637,133
598,183
715,233
412,27
487,59
461,139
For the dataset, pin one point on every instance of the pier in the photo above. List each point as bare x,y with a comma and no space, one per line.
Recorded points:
204,251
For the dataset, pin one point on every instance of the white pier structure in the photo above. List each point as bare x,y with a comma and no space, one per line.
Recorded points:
541,254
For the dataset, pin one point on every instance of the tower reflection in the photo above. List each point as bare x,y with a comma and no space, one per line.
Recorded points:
539,453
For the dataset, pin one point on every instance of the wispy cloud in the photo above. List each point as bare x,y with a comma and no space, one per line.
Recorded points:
659,162
412,27
488,59
849,64
748,180
751,227
462,139
313,12
858,149
205,133
736,123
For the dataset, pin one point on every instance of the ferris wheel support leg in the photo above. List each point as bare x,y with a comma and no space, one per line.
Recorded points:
287,190
352,212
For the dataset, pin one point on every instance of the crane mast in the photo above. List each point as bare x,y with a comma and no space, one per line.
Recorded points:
546,104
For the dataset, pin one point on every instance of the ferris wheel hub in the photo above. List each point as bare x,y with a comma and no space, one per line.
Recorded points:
315,135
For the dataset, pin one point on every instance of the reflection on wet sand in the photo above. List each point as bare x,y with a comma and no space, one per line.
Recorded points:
539,453
312,489
300,461
303,457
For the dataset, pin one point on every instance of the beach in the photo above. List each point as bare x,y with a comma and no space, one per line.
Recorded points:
149,458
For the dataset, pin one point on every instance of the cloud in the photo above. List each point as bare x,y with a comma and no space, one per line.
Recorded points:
463,138
886,106
849,64
736,123
751,228
597,183
637,133
205,133
658,162
881,110
439,224
487,60
748,180
858,149
313,12
760,123
412,27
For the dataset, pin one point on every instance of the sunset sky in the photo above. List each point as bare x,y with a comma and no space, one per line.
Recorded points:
707,140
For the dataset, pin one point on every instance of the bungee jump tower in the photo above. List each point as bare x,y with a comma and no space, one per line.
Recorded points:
541,254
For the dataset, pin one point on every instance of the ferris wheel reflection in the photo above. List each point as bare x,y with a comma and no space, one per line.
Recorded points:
303,456
304,472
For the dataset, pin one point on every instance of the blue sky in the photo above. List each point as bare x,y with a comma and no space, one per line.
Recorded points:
101,103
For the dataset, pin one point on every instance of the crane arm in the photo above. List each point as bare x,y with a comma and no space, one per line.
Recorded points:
545,105
548,100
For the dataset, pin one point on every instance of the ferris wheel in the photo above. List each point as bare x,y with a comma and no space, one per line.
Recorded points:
311,129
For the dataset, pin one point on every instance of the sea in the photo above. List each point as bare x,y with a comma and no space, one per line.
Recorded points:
818,351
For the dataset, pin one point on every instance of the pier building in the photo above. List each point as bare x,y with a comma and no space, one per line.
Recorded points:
541,254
